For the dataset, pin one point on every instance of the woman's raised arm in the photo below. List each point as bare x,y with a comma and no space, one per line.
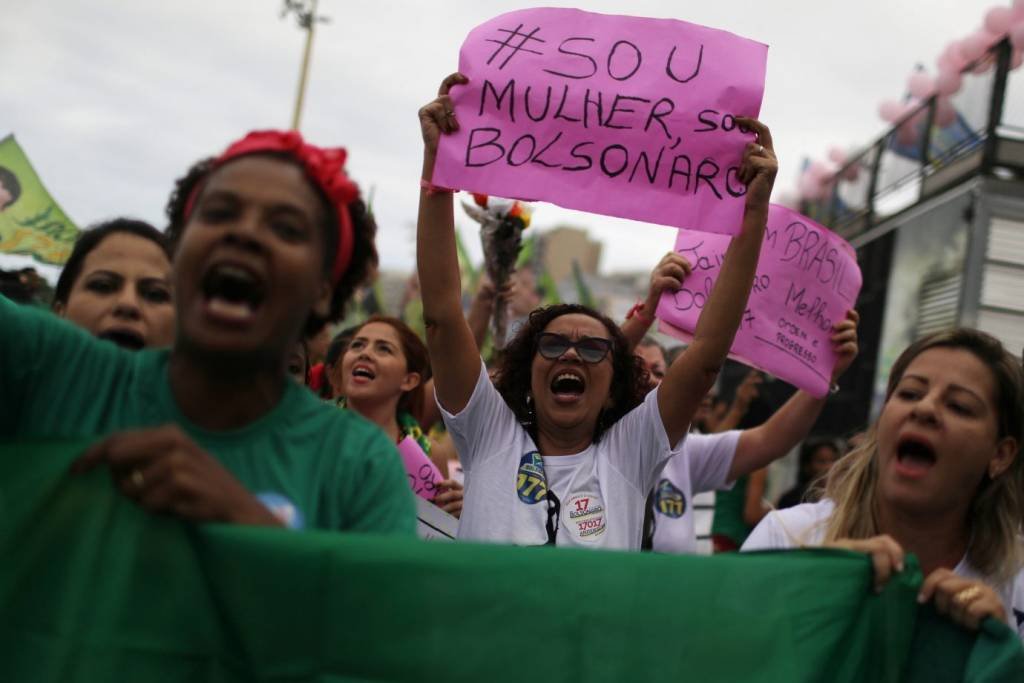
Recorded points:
694,372
454,356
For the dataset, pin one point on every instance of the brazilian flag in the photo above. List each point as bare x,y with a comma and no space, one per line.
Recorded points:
31,222
94,589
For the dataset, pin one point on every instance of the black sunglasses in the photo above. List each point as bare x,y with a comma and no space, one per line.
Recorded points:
590,349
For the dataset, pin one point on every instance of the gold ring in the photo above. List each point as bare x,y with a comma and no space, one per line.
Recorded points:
967,595
138,480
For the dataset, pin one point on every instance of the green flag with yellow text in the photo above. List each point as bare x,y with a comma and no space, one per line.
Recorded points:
31,222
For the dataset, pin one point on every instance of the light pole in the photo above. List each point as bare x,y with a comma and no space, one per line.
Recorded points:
307,18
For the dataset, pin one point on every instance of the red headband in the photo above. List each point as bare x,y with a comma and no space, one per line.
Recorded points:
324,166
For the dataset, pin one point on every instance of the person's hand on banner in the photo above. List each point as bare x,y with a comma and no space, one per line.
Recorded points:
759,166
164,471
965,601
449,497
886,555
844,343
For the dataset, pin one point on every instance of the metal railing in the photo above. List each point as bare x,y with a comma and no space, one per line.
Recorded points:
932,148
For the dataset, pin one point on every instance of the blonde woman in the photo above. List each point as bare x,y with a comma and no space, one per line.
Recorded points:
939,475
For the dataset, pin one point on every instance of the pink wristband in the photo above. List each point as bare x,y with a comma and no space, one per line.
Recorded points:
638,312
432,189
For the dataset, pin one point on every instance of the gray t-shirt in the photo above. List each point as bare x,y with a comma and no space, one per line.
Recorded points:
601,491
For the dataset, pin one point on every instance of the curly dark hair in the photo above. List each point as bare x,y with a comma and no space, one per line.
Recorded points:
629,379
364,250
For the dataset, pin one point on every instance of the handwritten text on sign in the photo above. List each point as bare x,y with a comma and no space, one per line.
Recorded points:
423,474
616,115
807,279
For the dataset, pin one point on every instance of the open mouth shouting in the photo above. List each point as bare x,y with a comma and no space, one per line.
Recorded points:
915,456
232,293
568,386
362,374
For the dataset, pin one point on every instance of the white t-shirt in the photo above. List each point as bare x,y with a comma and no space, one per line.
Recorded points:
804,525
601,491
702,465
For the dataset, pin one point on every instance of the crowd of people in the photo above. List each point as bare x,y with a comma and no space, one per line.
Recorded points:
200,359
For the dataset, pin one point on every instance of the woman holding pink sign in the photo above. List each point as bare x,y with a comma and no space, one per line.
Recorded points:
382,372
563,447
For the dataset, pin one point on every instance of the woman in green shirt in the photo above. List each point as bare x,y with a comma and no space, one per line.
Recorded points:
270,241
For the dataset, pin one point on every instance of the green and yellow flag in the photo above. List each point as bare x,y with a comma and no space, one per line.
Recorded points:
31,222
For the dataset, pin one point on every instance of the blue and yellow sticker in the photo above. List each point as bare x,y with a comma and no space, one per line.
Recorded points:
669,500
531,484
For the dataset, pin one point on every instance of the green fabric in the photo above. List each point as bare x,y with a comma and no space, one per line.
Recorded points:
94,589
336,468
728,519
33,224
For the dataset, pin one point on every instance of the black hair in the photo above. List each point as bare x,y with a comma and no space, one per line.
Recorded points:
807,452
364,228
11,183
629,379
91,238
339,344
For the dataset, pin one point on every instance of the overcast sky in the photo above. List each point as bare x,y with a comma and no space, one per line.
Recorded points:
112,100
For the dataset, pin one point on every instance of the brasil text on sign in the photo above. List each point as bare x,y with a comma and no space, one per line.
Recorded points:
616,115
807,279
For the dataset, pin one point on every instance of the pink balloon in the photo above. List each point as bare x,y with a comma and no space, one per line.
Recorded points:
945,113
837,155
912,107
951,58
820,171
974,45
998,20
1017,35
920,84
948,82
889,110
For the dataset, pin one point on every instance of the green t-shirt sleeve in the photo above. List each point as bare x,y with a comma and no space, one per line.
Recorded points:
47,365
378,498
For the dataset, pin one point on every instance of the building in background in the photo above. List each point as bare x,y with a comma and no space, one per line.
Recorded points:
936,213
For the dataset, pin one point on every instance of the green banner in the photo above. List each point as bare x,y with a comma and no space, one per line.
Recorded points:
94,589
31,222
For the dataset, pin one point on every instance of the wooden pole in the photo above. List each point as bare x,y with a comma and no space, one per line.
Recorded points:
304,73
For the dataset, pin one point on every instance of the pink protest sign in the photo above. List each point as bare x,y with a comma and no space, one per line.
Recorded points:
807,279
615,115
423,474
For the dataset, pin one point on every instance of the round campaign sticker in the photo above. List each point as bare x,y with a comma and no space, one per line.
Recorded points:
584,516
669,500
282,508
